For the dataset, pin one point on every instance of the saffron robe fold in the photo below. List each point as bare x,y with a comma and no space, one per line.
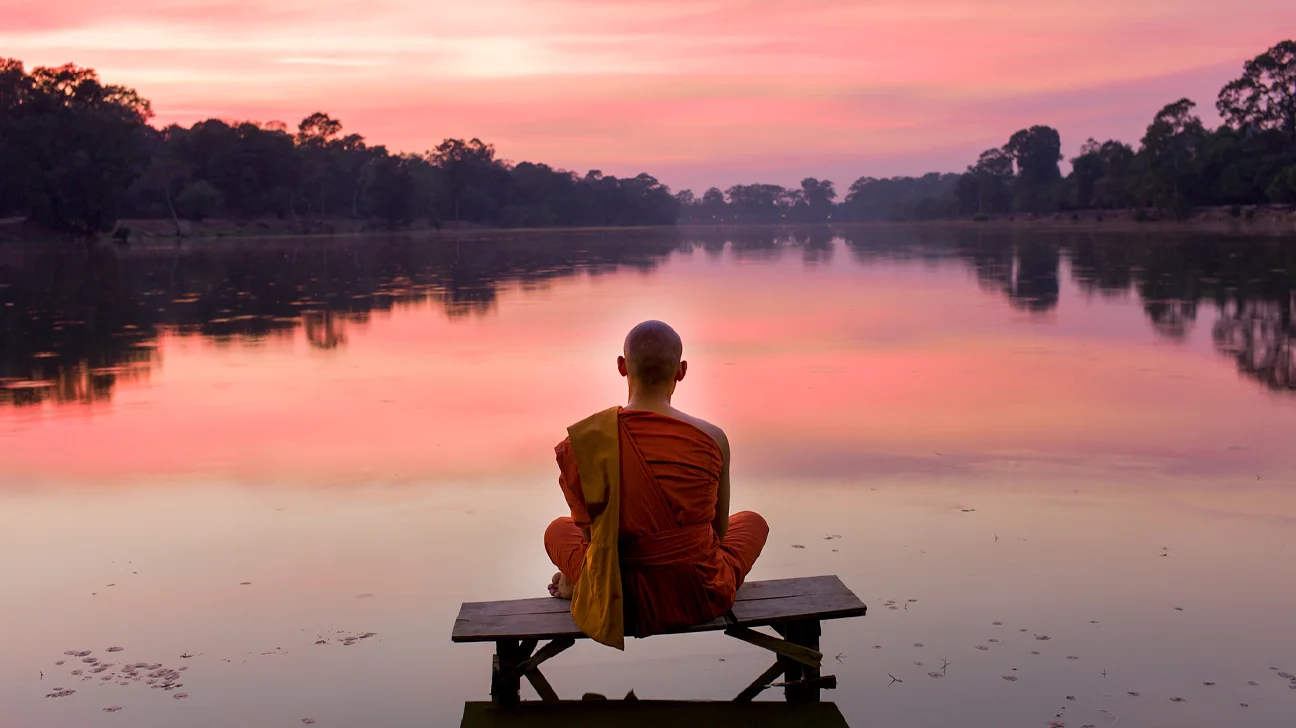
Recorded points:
596,603
653,562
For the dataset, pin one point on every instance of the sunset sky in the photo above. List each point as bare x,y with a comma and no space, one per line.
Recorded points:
696,92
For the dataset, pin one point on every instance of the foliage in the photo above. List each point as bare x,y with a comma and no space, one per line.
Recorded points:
70,146
1264,97
199,200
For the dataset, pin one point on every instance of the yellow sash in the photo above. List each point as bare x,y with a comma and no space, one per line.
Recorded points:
596,604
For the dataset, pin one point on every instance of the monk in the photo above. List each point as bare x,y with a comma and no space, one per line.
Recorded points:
650,546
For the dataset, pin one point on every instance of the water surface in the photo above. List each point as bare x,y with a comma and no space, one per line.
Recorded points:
1085,438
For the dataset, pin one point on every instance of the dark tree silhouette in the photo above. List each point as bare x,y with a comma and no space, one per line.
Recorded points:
1265,95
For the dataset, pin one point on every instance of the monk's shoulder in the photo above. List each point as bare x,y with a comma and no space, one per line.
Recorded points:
714,431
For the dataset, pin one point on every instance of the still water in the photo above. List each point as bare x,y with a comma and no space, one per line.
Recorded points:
218,455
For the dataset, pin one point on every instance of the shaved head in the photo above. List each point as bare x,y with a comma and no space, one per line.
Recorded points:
652,353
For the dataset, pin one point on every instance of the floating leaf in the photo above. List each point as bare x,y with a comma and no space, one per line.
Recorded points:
60,693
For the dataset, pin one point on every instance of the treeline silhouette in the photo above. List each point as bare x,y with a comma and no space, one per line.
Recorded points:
1178,165
77,321
76,155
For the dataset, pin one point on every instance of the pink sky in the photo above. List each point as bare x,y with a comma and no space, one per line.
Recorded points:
697,92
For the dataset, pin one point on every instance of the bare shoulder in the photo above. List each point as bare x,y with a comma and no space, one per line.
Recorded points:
715,432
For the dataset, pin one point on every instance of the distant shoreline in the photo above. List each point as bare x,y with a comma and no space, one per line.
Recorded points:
1248,221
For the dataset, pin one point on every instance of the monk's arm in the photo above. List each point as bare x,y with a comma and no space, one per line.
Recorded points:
721,522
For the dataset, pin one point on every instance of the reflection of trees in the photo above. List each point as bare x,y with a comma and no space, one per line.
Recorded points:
74,321
1035,279
1261,338
816,244
325,329
1250,282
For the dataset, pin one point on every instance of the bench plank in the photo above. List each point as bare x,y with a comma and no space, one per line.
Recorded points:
758,603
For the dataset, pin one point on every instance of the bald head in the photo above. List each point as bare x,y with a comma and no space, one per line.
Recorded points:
652,353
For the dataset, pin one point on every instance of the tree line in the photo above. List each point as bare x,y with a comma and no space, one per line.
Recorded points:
76,155
1178,165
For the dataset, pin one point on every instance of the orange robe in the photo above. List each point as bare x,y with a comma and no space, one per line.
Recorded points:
675,572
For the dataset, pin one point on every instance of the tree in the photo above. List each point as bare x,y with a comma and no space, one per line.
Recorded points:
70,146
1113,189
818,197
1171,157
390,189
164,176
319,130
469,171
987,186
1265,95
714,206
1283,188
317,137
1036,151
199,200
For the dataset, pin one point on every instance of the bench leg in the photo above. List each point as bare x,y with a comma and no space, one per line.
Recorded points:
803,681
506,683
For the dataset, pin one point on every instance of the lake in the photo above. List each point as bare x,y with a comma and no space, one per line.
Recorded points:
218,454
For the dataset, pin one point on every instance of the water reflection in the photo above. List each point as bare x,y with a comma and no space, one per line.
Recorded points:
76,322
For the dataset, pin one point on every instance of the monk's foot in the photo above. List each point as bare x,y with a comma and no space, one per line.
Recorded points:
560,587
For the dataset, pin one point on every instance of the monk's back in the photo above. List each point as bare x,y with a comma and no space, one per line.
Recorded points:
684,461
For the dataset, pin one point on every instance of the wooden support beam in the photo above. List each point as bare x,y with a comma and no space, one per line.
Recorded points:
785,648
759,685
551,649
825,682
541,685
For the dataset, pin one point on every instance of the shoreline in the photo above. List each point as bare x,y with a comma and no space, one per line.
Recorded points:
1211,221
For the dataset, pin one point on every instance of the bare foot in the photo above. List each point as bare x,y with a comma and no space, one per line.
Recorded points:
560,587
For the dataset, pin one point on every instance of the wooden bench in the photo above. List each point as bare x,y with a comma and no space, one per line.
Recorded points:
792,607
